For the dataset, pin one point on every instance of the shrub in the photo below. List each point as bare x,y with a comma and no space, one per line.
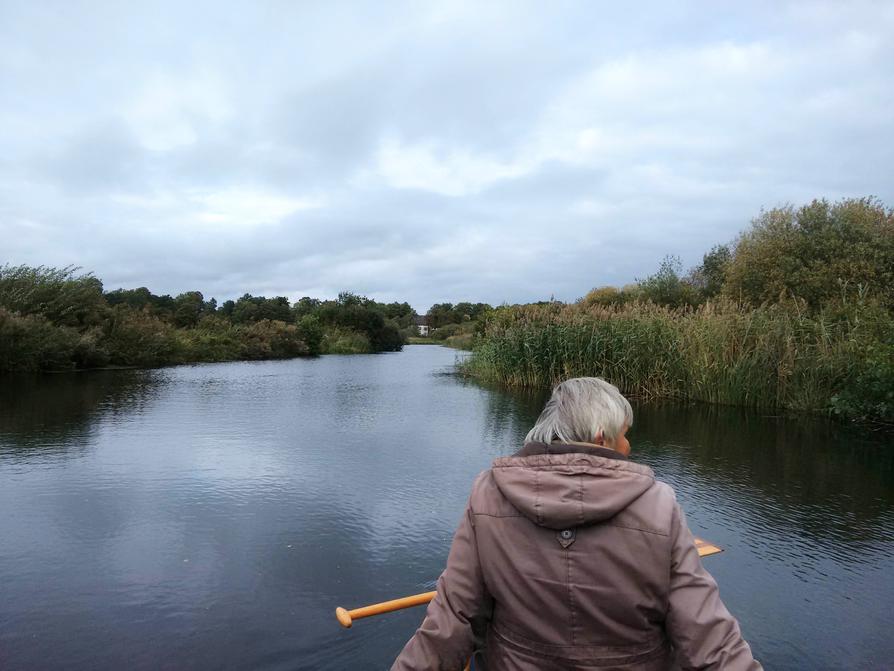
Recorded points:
446,331
461,341
268,339
90,350
867,391
666,287
311,331
136,338
214,339
387,339
345,341
32,343
603,296
64,298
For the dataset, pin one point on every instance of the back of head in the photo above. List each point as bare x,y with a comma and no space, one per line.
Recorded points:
581,409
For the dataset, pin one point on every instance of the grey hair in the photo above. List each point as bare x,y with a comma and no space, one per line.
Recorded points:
580,409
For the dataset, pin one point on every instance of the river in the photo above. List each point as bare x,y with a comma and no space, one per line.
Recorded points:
213,516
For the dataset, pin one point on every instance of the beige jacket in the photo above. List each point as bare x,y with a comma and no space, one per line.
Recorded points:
573,557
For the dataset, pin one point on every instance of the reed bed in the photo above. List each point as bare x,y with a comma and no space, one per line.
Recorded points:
775,356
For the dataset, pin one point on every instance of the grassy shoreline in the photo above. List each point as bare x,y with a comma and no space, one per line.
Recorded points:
771,357
461,341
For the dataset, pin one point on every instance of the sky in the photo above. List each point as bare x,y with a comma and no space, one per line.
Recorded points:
426,151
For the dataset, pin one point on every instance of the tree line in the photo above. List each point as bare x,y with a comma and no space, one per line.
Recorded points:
57,319
821,254
60,319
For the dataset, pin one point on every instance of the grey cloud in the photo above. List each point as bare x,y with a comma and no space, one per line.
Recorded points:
169,153
105,156
332,124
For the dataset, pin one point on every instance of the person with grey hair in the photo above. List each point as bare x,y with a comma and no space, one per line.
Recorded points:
582,410
571,556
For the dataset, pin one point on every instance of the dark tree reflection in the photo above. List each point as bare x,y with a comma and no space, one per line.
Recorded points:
827,480
41,414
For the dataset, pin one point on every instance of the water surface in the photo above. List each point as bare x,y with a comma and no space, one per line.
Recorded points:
213,516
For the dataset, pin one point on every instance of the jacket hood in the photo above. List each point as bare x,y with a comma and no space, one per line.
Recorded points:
560,486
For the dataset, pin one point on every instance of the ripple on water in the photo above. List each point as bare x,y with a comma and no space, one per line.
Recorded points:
219,513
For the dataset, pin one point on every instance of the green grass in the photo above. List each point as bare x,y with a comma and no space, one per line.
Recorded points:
769,357
458,341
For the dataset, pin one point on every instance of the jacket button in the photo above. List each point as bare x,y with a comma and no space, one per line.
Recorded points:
566,534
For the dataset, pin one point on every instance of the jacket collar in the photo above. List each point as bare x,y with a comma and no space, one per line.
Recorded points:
531,449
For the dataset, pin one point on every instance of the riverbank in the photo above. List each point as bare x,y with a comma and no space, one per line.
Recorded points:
771,357
462,341
56,320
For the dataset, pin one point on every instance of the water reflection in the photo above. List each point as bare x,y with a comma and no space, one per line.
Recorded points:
510,414
827,481
213,516
42,415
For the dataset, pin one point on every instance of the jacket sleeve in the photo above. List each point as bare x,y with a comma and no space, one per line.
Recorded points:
457,615
701,629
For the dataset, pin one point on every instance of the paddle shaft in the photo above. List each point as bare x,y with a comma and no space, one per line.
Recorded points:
346,617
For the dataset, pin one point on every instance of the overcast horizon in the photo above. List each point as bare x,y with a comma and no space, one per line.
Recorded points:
483,152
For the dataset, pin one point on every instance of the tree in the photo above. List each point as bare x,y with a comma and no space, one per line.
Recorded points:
137,298
440,314
60,295
188,308
710,276
816,253
402,314
269,339
251,309
143,299
226,309
358,314
305,306
666,287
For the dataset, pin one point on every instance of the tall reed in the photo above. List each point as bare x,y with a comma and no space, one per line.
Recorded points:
775,356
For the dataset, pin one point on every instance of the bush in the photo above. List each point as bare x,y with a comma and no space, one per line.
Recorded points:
214,339
867,392
311,331
64,298
387,339
136,338
603,296
461,341
667,288
90,350
446,331
33,343
268,339
345,341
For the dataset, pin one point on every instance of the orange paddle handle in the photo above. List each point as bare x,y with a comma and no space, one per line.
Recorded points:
346,617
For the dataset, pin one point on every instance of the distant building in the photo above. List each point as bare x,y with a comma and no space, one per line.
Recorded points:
421,325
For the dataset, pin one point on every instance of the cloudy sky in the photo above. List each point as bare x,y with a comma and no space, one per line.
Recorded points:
425,152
